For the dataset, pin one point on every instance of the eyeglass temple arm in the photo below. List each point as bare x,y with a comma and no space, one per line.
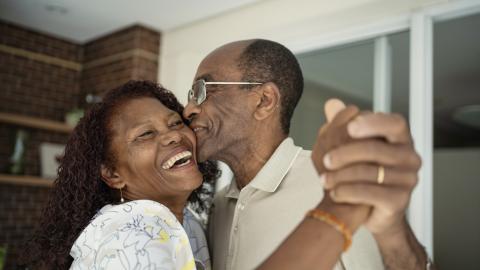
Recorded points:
206,83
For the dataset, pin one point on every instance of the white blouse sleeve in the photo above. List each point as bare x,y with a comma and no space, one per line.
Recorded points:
134,235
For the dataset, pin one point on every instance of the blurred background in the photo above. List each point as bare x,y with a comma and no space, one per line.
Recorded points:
418,58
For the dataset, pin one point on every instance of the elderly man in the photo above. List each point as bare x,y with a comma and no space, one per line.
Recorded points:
363,171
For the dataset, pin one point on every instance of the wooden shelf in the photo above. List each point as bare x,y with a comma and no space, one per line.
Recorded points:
34,122
25,180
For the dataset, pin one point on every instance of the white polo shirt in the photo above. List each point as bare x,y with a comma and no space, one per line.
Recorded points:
247,225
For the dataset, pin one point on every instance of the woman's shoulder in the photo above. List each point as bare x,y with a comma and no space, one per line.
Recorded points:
132,208
134,215
132,227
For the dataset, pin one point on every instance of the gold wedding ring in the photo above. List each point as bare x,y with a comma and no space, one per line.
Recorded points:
380,175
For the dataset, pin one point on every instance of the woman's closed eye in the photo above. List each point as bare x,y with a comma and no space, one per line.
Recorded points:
146,134
177,123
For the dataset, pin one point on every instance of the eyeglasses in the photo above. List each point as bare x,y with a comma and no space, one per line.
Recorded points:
198,93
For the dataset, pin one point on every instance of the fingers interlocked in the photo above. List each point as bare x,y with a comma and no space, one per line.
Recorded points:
377,167
368,174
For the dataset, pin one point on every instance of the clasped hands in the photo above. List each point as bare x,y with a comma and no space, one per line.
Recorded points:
369,167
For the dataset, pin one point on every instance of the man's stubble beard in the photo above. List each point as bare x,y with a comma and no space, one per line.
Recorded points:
218,148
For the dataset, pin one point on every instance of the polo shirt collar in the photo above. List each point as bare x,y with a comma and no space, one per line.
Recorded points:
232,191
272,173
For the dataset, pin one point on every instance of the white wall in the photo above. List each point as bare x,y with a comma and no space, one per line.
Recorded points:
297,24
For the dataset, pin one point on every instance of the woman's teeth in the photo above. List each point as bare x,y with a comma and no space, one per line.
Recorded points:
183,156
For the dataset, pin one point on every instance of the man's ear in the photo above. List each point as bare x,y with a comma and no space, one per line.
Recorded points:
111,178
269,101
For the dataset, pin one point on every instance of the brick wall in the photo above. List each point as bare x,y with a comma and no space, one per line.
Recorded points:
34,84
43,76
20,210
110,61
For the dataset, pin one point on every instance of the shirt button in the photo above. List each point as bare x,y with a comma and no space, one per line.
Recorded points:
235,228
241,206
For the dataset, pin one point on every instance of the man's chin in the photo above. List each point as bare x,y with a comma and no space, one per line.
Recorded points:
204,153
201,157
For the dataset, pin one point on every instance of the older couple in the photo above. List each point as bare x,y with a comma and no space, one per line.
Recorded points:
133,164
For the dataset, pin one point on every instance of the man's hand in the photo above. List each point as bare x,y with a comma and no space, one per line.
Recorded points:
353,169
372,162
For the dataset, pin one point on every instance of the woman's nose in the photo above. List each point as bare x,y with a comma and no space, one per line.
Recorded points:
171,137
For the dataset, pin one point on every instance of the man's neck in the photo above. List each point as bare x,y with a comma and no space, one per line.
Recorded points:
247,162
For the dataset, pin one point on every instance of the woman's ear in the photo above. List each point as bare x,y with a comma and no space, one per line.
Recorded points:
111,178
269,101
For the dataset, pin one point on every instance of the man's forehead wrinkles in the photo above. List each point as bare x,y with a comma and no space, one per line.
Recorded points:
217,72
206,76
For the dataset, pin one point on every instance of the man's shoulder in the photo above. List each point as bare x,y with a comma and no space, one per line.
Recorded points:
303,165
304,155
301,178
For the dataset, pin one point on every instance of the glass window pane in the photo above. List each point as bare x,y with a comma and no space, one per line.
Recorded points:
344,72
400,47
456,161
347,72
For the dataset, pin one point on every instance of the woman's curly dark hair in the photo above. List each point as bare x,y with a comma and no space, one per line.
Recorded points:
79,191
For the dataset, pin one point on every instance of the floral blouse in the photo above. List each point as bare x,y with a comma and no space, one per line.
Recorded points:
138,234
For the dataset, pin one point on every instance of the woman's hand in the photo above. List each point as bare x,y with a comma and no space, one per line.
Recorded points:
332,135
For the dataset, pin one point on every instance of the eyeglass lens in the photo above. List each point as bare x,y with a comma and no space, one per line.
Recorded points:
198,92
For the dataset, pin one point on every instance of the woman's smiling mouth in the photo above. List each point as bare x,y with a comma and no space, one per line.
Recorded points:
178,160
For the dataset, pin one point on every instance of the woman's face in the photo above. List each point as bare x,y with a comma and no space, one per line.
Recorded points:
154,152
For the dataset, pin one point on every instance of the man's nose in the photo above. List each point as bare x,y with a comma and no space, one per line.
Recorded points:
191,110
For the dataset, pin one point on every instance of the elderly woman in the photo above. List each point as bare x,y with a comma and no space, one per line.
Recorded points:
120,197
119,200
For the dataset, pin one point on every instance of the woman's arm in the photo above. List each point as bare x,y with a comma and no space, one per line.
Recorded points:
314,243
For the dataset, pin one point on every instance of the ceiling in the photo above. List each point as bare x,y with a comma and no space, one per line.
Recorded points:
81,21
348,72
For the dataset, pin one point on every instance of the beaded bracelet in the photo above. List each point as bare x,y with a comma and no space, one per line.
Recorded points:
335,223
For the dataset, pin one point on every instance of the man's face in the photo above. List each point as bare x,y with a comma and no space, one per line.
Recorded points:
221,123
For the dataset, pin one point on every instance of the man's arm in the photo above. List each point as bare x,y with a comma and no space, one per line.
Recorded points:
401,250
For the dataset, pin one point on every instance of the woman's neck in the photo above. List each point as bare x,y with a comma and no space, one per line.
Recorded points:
179,215
176,206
